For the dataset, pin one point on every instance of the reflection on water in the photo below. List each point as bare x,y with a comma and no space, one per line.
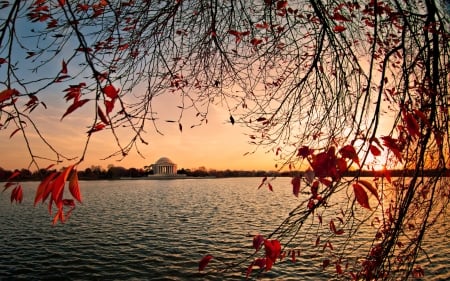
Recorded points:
158,230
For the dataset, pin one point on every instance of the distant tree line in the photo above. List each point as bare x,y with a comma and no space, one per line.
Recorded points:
117,172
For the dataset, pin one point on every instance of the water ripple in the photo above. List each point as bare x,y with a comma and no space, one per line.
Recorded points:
158,230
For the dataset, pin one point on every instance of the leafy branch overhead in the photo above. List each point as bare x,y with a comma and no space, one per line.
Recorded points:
326,87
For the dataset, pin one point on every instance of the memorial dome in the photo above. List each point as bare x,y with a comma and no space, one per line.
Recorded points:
164,161
164,166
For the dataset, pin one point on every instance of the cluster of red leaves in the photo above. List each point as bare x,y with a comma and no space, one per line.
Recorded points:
111,94
39,11
272,252
74,94
17,192
177,82
8,97
329,164
52,188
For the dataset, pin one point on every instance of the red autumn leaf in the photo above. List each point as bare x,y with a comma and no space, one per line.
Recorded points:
74,186
329,245
96,128
30,54
32,102
123,47
324,164
325,182
374,150
109,106
273,251
325,263
315,189
59,216
418,272
49,166
8,184
8,93
349,152
370,188
83,49
391,143
82,7
339,269
64,67
339,17
14,132
361,195
332,226
282,4
111,92
58,185
43,188
311,204
74,106
102,115
263,25
339,28
411,125
304,151
262,182
68,202
278,151
258,241
295,185
204,262
334,230
73,92
238,34
3,60
260,262
13,175
293,256
255,41
17,194
387,174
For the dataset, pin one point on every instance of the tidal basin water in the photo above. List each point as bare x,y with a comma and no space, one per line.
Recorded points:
159,230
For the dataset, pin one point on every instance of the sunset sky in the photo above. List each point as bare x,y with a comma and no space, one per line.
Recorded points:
216,145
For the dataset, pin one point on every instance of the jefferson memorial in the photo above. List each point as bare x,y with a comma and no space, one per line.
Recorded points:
164,167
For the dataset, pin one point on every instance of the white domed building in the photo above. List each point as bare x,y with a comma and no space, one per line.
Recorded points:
164,167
